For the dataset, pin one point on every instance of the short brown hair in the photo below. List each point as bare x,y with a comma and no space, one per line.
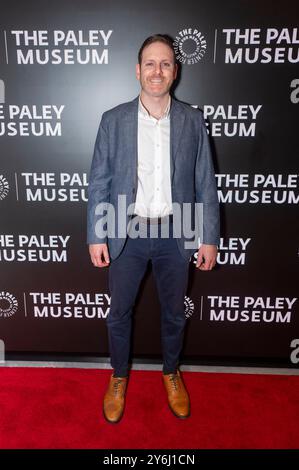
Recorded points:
164,38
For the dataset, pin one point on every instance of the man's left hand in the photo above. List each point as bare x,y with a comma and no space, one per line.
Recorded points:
206,257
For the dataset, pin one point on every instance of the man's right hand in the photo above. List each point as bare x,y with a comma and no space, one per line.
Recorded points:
99,255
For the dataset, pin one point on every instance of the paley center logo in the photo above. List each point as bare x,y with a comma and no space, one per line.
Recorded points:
8,304
34,248
31,120
189,307
189,46
258,188
249,309
4,187
78,305
260,45
58,47
231,120
52,187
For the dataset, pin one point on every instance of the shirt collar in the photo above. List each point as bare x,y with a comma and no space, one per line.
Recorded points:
145,112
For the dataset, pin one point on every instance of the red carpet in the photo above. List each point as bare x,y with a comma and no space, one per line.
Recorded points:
62,408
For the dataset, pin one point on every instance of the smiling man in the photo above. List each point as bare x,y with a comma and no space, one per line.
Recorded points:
154,151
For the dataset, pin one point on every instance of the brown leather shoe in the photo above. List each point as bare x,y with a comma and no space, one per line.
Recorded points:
178,398
114,399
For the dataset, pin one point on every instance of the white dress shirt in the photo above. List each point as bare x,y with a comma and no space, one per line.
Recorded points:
153,198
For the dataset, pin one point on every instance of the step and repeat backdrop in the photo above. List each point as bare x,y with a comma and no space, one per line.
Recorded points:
62,64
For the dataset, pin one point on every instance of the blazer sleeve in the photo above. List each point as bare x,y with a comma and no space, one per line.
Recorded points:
99,181
206,190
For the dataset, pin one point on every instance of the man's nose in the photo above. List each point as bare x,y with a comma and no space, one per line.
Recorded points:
158,69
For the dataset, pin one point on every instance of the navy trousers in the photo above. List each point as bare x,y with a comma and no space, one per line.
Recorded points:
126,272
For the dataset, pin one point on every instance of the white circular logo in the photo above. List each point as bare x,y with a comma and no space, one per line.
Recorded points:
189,307
189,46
4,187
8,304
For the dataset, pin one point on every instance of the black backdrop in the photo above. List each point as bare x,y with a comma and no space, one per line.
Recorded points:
63,63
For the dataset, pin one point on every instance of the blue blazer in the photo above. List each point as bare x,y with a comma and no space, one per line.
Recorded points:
114,172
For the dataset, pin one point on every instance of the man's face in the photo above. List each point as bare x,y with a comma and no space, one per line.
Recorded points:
157,70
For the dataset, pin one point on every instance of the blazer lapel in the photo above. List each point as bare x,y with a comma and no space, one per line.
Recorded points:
177,119
131,132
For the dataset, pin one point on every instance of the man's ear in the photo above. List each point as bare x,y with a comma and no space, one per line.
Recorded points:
138,71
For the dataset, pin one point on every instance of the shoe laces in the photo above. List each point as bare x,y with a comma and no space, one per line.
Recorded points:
174,378
116,386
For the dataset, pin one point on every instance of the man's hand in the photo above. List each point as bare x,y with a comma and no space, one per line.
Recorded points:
99,255
206,257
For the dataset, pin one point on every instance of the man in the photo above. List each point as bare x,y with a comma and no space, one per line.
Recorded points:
155,152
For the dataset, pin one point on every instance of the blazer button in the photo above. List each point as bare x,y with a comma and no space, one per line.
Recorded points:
133,190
